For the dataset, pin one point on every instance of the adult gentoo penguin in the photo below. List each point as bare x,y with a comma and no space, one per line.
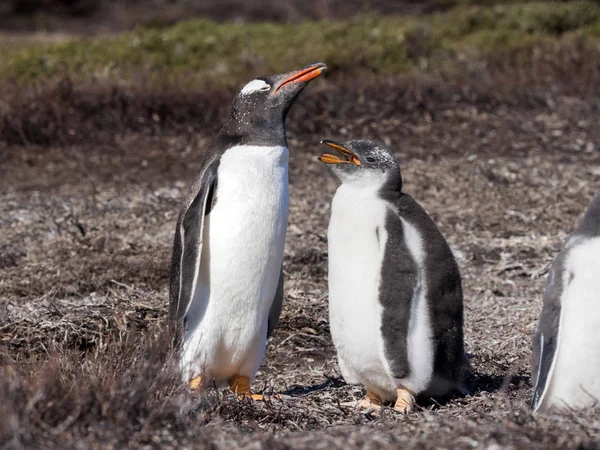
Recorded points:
566,361
395,292
226,270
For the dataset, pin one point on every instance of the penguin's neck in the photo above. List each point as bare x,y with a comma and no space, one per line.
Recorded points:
255,166
255,132
388,187
391,189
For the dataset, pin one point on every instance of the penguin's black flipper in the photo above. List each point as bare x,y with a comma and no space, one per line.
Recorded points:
399,290
187,248
545,342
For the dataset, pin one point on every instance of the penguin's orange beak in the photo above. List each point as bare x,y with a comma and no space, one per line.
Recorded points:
347,155
303,75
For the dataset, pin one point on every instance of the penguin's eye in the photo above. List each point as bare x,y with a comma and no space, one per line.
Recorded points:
370,159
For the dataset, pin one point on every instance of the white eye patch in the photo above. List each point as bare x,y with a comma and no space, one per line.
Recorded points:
254,86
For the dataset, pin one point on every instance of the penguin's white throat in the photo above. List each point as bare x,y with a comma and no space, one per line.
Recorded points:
362,178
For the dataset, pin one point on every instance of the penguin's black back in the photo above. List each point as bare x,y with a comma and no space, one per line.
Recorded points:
590,225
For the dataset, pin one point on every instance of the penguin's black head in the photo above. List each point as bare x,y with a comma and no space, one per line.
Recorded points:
362,162
259,110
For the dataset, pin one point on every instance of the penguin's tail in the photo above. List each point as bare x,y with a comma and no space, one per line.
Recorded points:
466,383
466,388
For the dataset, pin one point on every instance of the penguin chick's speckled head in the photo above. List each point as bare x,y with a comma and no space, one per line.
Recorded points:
361,161
263,103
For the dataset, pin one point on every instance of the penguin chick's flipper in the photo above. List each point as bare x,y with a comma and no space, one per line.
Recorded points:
195,383
399,297
405,401
240,385
187,248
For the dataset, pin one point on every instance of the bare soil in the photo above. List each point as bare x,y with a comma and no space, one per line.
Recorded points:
90,182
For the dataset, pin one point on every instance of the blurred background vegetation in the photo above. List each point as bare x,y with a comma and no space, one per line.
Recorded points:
221,42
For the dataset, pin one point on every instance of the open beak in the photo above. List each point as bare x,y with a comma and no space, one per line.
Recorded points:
346,155
303,75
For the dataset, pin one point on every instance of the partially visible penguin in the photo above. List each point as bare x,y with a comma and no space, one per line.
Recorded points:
226,270
566,361
395,292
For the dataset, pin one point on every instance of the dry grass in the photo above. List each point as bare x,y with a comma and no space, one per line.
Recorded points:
505,163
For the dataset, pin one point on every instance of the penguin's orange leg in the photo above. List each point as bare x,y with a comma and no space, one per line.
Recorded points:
405,401
240,385
371,401
195,383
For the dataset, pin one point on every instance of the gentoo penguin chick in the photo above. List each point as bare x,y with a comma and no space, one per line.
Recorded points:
395,292
566,356
226,270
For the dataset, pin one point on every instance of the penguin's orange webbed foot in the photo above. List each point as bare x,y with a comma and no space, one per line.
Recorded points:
240,385
195,383
259,397
405,401
370,402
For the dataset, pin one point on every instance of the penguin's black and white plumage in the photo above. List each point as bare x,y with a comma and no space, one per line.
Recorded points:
226,270
566,360
395,292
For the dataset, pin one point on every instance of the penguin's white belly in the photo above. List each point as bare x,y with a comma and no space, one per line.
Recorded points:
355,258
576,377
244,238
